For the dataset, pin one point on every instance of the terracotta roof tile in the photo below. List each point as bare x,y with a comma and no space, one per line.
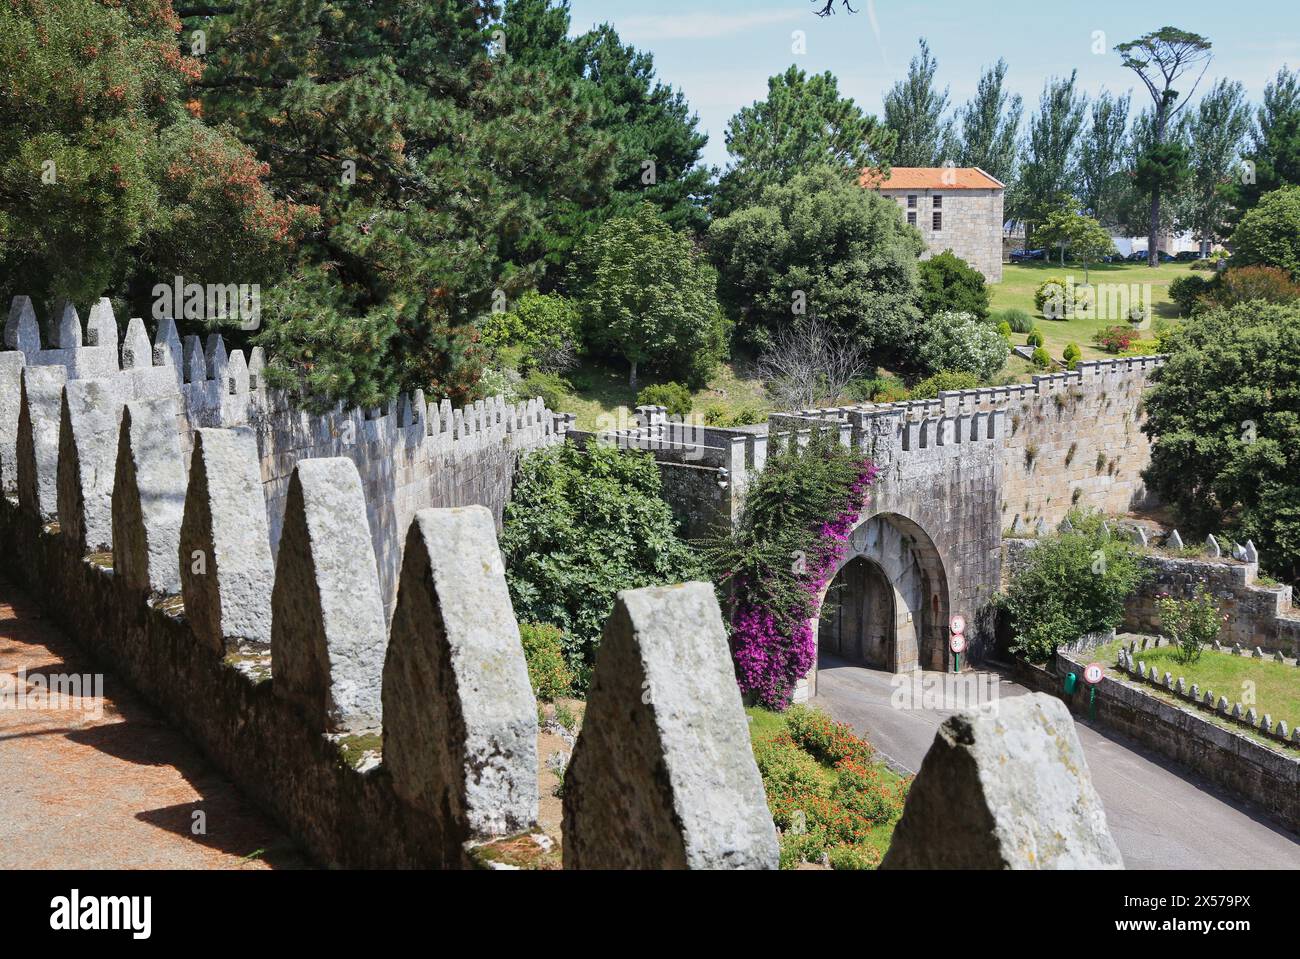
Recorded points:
931,178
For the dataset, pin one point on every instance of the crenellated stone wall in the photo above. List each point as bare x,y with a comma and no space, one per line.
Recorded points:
410,454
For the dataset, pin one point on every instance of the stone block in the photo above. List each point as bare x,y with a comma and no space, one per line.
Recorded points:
225,547
327,617
1005,787
460,719
89,420
37,443
662,775
148,497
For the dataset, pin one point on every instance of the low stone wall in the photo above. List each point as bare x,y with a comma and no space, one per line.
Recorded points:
1258,615
1268,776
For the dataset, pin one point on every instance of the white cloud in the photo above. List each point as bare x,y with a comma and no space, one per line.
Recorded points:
699,26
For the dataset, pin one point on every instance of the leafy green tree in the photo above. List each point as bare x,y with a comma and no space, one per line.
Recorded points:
1160,58
582,524
540,332
1274,154
1224,416
987,128
442,171
819,245
109,181
657,136
1215,132
1071,584
803,123
1101,155
648,297
947,282
1086,239
914,110
956,342
1269,235
1049,165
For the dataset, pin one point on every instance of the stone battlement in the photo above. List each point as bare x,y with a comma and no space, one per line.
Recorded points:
410,453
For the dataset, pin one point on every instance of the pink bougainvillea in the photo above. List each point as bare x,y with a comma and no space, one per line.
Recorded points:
775,648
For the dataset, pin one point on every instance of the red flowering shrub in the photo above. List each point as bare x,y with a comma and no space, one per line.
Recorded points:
825,739
1115,339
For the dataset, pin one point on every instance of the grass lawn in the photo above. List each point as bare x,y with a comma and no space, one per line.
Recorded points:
602,390
1277,685
1020,280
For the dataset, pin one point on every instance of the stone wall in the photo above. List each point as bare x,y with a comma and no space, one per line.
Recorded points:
1258,615
1268,776
410,454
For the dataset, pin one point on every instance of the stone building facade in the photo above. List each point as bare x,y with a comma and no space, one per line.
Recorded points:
955,208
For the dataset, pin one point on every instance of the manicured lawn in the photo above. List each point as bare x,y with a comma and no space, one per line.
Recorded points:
1277,685
600,391
1020,280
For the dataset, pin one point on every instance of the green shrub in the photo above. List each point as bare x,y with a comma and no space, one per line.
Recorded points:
1269,234
879,389
824,738
1186,290
543,330
1142,348
1004,330
947,282
1019,320
1115,339
1072,355
1041,358
747,415
1071,584
932,386
553,388
1244,284
860,856
675,396
960,342
1190,623
544,652
1035,338
1049,298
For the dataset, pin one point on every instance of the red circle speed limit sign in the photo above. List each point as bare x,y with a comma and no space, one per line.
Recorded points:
957,643
1092,674
957,625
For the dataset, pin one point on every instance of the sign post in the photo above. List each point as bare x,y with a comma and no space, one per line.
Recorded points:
1092,675
957,642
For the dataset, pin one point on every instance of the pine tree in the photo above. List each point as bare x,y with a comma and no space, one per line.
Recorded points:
914,111
439,166
988,127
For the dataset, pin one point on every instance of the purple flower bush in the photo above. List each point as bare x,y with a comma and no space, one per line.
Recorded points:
775,646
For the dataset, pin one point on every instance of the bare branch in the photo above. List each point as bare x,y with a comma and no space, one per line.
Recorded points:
811,364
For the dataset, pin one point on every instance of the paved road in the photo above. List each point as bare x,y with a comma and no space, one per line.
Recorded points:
1161,816
102,782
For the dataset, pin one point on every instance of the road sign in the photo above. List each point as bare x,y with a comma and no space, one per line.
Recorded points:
957,625
957,643
1092,674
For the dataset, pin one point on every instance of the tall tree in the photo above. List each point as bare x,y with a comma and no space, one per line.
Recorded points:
914,111
804,122
109,180
1049,165
1101,155
988,126
658,140
1274,152
440,167
1215,132
1160,59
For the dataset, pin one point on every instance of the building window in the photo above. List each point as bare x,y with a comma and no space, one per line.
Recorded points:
911,202
938,203
938,221
911,218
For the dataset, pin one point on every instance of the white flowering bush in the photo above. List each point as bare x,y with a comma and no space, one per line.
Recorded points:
961,343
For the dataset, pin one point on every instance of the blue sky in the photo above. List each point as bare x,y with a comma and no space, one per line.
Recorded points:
721,52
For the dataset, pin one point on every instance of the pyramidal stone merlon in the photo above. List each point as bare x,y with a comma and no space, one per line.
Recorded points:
327,618
89,421
460,719
661,776
148,497
225,552
37,446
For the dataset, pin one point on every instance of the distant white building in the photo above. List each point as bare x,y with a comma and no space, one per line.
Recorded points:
955,208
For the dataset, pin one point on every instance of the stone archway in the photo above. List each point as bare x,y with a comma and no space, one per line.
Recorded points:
887,605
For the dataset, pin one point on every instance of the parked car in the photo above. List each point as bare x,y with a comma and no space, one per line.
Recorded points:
1137,256
1186,256
1018,256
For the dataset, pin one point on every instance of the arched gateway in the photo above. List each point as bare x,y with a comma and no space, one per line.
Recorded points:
887,605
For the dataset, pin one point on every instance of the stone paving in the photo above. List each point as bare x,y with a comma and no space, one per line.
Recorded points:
105,783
